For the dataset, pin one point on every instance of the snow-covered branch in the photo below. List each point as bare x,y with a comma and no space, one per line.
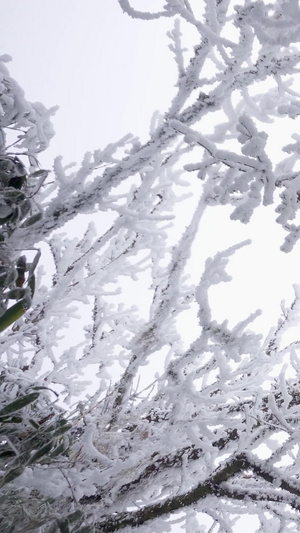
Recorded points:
171,405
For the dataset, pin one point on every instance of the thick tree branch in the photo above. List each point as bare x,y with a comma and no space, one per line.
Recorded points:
137,518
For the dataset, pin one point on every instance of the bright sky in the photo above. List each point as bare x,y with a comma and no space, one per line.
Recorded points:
107,72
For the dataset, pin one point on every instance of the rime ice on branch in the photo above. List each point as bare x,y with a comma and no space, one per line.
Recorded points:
169,427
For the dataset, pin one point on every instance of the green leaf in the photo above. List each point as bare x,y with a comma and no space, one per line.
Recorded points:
34,423
38,173
45,388
12,474
21,263
7,453
14,312
58,451
12,219
5,219
17,181
56,425
35,261
32,220
63,525
15,294
44,450
18,404
16,196
11,419
76,515
62,430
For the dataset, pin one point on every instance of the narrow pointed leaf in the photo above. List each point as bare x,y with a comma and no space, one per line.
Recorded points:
18,404
12,474
40,453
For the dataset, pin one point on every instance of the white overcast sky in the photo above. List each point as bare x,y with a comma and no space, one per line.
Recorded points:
108,73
